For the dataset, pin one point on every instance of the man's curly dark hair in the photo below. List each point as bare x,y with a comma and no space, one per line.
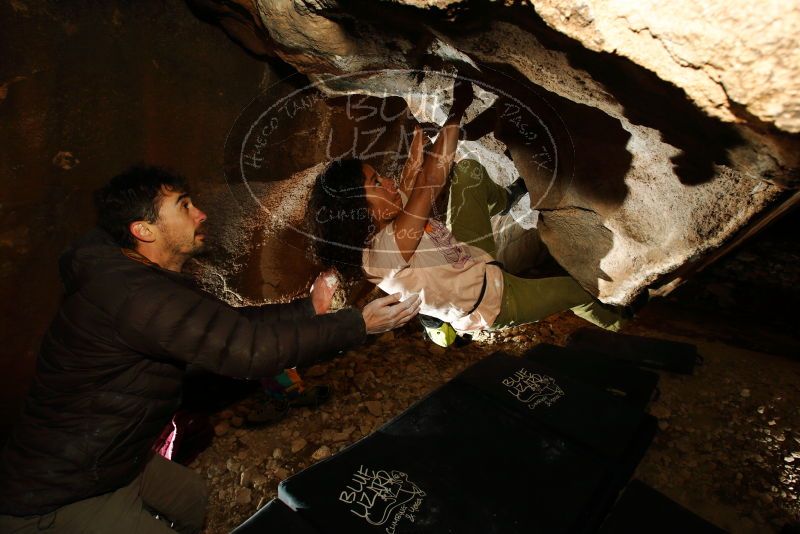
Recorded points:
133,195
339,217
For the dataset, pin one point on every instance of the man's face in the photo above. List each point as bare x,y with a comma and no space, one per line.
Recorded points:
179,224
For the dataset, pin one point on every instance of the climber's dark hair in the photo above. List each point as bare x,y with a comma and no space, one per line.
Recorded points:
134,195
339,217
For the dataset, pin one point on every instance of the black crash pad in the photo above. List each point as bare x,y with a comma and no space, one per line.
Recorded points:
481,456
616,377
643,509
560,402
647,352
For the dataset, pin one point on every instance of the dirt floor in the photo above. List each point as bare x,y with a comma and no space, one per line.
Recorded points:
728,446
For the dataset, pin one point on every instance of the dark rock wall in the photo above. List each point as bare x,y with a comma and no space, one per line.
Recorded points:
86,90
646,166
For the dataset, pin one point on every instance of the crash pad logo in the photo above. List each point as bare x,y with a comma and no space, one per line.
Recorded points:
382,498
283,139
533,389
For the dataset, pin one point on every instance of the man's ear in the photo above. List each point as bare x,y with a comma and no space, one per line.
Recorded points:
142,231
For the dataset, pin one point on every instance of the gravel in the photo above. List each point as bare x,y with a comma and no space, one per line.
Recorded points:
728,446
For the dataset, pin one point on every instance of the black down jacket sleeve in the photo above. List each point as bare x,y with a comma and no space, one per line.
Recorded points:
167,319
297,309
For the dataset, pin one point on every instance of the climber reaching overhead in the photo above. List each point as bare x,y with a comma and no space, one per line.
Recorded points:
387,233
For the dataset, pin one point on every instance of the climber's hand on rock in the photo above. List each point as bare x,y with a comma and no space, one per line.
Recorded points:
386,313
462,96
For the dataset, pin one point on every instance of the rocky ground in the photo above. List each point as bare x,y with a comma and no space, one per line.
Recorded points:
728,446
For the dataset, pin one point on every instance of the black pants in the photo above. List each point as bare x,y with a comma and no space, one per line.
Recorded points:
173,491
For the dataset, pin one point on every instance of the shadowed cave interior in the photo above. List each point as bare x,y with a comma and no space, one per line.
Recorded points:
638,190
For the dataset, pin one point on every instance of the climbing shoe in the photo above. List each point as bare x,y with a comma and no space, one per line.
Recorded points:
438,331
514,192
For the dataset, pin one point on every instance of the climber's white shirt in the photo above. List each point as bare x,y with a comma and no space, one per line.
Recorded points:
447,275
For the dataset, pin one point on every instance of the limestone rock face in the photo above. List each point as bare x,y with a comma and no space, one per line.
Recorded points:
648,133
733,59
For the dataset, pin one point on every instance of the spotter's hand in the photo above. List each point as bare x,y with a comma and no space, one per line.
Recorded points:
386,313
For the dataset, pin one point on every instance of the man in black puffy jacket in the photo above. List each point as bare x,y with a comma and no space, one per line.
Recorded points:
109,372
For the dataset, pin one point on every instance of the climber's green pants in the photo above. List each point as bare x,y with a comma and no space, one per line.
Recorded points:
474,199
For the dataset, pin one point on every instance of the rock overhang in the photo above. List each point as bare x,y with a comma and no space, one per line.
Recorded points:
653,169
